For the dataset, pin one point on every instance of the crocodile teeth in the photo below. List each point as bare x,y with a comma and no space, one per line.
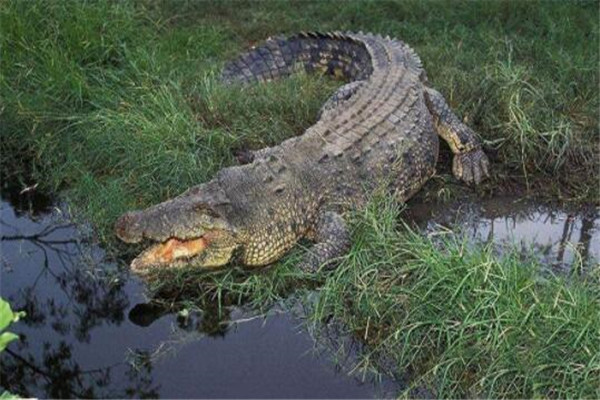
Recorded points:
168,252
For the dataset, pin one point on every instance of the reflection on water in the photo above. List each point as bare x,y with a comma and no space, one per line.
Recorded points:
89,331
49,273
560,238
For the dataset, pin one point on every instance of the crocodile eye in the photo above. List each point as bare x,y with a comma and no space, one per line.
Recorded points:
206,210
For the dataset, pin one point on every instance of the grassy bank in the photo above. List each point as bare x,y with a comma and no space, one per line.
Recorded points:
460,319
116,105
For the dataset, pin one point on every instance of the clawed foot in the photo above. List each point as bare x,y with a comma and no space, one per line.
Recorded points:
471,167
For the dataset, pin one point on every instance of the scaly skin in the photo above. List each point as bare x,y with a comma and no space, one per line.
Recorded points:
382,127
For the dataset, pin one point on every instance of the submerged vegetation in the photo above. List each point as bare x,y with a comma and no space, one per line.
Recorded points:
118,105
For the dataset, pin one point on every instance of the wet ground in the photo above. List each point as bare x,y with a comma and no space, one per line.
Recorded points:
89,332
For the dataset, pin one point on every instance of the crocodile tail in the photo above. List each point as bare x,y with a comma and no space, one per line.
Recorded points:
337,54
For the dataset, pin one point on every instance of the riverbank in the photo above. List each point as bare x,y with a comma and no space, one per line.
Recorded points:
117,106
459,317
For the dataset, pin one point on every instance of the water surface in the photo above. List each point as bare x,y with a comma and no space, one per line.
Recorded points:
561,237
90,332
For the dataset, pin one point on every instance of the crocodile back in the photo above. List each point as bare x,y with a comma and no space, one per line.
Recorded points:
383,133
335,54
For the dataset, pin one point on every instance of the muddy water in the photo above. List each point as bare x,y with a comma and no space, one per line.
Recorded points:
89,332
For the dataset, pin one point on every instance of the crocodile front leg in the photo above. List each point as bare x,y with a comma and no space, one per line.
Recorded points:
470,163
331,241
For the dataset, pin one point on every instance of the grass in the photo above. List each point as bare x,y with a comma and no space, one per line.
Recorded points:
463,320
118,103
117,106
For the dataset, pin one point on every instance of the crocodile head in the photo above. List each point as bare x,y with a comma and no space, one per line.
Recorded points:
187,231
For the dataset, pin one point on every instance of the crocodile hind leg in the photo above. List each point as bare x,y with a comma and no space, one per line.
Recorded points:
331,239
470,163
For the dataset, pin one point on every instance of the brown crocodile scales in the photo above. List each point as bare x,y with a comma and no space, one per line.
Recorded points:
381,127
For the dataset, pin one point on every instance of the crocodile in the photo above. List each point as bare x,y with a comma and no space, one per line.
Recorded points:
379,129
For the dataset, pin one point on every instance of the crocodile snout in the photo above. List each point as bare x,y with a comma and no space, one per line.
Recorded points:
127,227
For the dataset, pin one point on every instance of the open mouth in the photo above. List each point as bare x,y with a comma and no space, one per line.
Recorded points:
170,252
